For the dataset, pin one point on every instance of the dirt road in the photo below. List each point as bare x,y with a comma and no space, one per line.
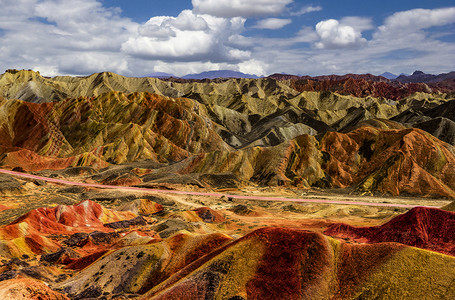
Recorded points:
245,197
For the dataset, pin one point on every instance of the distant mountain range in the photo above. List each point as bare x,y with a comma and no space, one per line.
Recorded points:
161,75
421,77
219,74
416,77
206,75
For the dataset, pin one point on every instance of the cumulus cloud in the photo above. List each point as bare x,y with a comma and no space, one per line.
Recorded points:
272,23
334,34
188,45
240,8
191,37
189,21
400,44
164,27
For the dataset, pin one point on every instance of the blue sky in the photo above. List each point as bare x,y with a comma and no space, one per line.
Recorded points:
140,37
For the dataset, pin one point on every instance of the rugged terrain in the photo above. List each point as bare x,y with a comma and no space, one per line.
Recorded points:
260,131
383,148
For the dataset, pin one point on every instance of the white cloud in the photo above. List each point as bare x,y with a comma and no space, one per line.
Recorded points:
240,8
186,20
164,27
47,69
272,23
191,38
306,34
71,14
359,23
92,62
402,43
253,66
306,10
184,68
410,21
52,34
405,29
387,50
238,40
238,54
16,9
156,31
334,34
82,36
185,45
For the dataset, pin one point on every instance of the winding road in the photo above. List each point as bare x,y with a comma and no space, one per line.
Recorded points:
244,197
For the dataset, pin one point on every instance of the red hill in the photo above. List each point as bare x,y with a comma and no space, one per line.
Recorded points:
427,228
86,216
281,263
29,234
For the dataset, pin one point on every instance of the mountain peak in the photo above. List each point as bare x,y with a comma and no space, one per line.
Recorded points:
22,72
388,75
416,73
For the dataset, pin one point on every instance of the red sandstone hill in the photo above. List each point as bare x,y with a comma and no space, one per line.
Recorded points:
408,161
86,216
110,128
279,263
30,233
368,77
427,228
362,85
268,263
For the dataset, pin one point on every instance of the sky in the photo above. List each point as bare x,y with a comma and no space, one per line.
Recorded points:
261,37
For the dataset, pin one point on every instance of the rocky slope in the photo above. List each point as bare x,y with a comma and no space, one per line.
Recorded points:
105,253
291,264
421,227
261,131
